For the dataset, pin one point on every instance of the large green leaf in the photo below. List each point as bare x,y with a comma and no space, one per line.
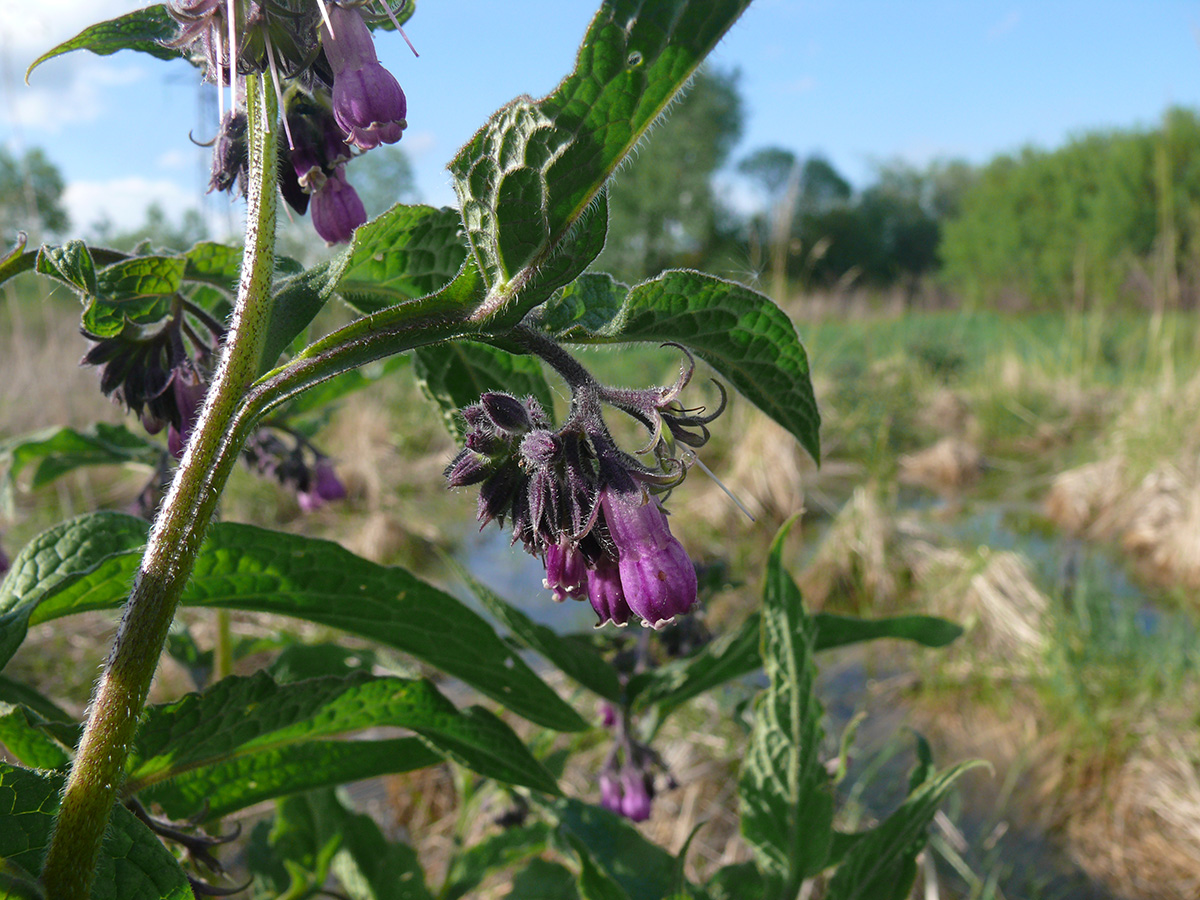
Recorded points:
134,865
240,716
238,782
574,658
72,264
739,332
643,870
784,791
24,735
457,374
511,846
144,30
298,298
407,252
58,451
594,882
527,177
89,562
17,693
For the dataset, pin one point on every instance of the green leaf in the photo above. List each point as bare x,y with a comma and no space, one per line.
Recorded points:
584,308
238,716
243,781
881,863
544,880
738,881
17,693
59,558
730,656
144,30
213,264
837,631
573,658
594,882
136,291
134,865
507,848
88,564
61,450
407,252
457,374
528,176
71,264
784,792
372,868
739,332
23,735
296,303
643,870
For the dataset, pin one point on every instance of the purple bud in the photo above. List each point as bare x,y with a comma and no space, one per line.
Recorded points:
324,487
566,571
657,577
605,593
367,100
466,469
506,412
540,447
337,209
610,791
608,715
635,795
189,395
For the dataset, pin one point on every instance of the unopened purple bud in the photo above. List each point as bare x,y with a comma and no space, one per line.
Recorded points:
506,411
337,209
466,469
608,715
367,100
635,795
610,792
657,577
605,593
566,571
189,395
540,446
326,483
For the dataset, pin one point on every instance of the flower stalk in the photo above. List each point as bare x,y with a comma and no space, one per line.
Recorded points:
95,779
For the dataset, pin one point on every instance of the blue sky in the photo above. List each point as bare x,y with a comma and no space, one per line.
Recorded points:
860,81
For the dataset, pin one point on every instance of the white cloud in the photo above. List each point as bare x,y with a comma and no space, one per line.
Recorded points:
123,201
1005,25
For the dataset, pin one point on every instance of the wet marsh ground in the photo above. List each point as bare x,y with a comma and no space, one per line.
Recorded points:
1036,479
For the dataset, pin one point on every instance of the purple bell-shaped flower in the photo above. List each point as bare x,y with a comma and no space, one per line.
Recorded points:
368,102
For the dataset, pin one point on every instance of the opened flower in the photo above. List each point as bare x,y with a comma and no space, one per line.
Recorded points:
367,100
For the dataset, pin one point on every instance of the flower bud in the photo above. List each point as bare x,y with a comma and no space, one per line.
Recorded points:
367,100
337,209
635,794
506,412
605,593
566,571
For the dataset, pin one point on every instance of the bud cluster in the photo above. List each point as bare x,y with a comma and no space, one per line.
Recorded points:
627,779
335,98
300,467
588,509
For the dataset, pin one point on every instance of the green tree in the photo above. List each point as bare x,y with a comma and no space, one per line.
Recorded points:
662,208
157,230
31,189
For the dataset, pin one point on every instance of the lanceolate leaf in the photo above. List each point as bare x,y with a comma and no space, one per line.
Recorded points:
241,781
507,848
239,716
881,864
786,799
455,375
573,658
142,29
739,332
88,563
643,870
134,865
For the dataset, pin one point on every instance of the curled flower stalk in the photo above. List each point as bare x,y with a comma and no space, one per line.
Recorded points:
589,510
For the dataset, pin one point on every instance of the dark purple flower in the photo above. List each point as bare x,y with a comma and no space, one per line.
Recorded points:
324,487
610,791
189,391
367,100
337,209
606,594
658,580
231,159
566,571
635,794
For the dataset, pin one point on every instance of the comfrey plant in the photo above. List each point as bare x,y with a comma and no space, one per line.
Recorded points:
210,346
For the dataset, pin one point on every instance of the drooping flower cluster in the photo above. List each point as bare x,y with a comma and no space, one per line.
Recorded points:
588,509
627,779
334,95
300,467
161,374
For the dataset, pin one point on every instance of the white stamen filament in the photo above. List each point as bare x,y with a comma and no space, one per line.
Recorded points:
325,16
278,91
690,457
232,10
387,7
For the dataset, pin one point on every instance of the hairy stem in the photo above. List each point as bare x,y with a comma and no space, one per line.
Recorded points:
174,540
